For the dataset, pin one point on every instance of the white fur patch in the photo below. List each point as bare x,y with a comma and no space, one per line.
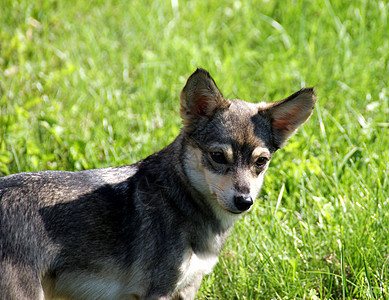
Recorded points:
196,265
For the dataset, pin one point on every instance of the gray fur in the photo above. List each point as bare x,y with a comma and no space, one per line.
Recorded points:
146,231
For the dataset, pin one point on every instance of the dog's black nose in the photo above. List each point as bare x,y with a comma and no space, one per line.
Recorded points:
243,202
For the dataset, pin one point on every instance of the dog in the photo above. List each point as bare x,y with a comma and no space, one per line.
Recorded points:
150,230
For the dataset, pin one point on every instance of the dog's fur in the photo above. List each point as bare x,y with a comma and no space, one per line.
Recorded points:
149,230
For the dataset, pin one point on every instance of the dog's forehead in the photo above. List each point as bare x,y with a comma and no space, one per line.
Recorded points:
242,107
241,125
246,125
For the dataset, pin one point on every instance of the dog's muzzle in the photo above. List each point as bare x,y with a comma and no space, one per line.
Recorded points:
243,202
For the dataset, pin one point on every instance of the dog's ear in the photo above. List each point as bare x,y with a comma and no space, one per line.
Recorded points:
200,98
287,115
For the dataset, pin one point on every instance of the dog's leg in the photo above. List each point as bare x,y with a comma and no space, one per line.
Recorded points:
18,283
190,291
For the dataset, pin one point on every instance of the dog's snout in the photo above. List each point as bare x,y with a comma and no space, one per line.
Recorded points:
243,202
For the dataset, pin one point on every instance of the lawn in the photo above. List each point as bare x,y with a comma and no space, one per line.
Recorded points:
90,84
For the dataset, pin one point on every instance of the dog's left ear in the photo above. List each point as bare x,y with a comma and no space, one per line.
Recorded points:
200,98
287,115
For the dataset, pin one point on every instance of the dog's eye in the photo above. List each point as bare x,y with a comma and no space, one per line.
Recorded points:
261,162
218,157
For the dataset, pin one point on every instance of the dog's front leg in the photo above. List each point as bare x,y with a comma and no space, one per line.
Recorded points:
189,292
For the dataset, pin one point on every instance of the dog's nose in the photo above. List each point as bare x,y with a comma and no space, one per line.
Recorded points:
243,202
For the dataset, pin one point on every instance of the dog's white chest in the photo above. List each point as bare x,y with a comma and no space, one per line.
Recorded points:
194,266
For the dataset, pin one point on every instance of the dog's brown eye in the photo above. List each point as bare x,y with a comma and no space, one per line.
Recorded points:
218,157
260,162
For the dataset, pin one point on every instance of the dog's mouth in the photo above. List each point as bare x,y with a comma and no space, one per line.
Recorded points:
232,209
235,212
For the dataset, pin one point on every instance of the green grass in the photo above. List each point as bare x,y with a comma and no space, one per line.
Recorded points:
87,85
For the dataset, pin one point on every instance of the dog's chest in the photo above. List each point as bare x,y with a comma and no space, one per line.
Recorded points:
195,266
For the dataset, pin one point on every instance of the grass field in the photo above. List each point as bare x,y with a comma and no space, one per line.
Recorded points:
90,84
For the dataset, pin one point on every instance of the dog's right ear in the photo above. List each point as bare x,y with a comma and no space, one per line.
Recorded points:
200,98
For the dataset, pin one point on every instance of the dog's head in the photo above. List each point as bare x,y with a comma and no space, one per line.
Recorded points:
230,143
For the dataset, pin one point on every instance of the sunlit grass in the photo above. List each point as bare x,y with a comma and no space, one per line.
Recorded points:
95,84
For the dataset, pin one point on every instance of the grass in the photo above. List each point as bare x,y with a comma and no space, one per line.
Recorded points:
90,85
